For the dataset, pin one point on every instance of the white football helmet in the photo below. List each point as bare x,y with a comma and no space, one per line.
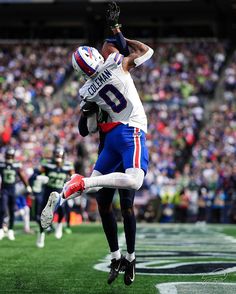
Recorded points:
87,60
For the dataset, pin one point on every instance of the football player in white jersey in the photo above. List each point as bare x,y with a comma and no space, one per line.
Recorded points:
105,196
110,85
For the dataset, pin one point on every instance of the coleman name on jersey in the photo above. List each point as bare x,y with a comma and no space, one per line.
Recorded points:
99,81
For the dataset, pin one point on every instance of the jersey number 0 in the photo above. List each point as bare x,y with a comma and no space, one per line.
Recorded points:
103,93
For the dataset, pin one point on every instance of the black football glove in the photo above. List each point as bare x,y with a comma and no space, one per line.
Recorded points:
89,108
112,15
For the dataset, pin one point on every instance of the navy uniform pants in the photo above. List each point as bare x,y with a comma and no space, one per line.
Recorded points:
7,203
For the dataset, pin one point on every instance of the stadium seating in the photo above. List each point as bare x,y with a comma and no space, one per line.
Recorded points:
174,85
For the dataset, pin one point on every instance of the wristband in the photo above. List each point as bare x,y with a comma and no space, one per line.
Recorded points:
138,61
116,26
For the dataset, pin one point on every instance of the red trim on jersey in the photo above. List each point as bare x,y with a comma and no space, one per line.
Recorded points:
107,127
137,149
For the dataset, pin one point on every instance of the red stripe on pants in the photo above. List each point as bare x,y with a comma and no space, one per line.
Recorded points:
137,148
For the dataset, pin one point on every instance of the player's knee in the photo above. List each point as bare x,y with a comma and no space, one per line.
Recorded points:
136,177
127,212
135,184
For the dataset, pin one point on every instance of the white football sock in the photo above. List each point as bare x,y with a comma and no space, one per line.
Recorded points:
62,200
130,257
116,254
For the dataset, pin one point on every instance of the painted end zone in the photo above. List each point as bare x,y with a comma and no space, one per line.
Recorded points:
181,250
196,288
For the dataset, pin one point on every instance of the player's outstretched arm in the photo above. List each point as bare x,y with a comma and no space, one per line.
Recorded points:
119,42
141,53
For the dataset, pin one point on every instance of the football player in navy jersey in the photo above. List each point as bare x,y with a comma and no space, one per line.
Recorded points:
57,170
10,170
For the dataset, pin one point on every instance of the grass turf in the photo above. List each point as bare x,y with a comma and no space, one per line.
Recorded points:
66,265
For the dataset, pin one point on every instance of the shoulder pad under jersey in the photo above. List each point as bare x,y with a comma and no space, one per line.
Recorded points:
115,59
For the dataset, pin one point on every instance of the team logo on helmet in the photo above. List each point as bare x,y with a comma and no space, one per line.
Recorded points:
87,60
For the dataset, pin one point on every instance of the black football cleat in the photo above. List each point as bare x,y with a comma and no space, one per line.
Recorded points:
129,269
115,268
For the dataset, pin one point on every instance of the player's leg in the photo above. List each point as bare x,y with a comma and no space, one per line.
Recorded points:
135,158
132,179
38,207
104,199
40,242
129,143
107,161
11,209
3,209
26,219
129,220
68,207
59,227
24,212
56,200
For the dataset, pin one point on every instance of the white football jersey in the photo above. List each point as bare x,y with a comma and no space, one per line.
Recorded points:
114,91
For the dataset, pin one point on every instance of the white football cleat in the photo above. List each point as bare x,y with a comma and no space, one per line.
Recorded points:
58,231
1,234
48,212
40,240
11,235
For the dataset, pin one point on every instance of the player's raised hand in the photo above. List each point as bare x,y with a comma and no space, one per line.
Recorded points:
112,15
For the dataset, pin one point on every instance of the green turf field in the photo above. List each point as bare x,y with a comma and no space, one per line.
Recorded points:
165,254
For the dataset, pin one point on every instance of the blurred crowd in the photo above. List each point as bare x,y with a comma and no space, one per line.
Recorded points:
192,172
205,189
31,120
179,71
